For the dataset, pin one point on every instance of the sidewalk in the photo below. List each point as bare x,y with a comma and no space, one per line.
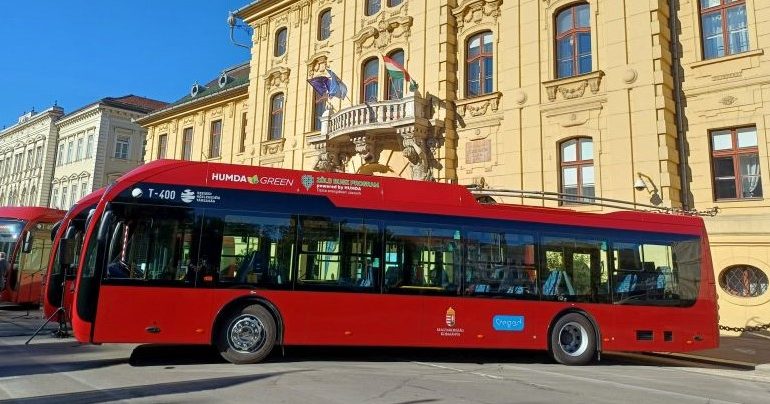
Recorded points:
750,350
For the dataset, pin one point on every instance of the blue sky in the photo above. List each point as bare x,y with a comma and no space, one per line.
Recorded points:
75,52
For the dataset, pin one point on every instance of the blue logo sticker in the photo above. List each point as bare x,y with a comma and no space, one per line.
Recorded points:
508,323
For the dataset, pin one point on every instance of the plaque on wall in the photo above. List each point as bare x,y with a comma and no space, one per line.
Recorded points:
478,151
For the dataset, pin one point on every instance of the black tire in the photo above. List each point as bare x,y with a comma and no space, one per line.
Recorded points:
247,336
573,340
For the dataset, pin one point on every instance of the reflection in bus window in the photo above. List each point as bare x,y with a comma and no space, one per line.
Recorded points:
256,250
152,243
35,263
337,252
575,269
422,259
500,264
661,273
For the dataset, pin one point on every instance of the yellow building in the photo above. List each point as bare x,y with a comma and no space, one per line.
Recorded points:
207,124
583,97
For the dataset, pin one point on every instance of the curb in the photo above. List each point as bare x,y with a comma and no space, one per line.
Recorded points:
705,359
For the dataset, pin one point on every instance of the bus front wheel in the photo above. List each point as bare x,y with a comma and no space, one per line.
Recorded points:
573,340
247,336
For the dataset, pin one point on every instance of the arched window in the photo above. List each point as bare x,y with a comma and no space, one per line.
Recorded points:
577,169
372,7
280,41
396,84
393,3
370,77
573,41
743,281
319,107
276,117
479,65
325,25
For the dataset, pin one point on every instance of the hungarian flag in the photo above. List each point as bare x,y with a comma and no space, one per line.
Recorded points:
398,72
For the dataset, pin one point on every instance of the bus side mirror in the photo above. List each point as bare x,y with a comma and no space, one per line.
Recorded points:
27,245
65,257
104,225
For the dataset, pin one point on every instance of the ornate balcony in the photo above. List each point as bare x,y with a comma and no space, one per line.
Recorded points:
367,129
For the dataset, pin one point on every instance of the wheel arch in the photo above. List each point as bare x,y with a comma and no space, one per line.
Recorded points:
584,313
241,302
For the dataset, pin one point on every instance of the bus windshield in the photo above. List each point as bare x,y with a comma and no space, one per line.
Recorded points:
10,231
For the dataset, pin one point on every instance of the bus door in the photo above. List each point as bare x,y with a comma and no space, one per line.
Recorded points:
154,285
32,263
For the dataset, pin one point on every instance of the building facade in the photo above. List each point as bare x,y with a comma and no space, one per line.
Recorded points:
589,98
208,124
27,152
97,144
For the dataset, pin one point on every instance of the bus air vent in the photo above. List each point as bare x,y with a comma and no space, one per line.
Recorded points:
643,335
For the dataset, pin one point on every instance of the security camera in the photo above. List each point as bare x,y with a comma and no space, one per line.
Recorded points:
639,185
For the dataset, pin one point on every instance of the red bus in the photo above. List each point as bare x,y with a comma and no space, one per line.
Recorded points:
247,258
67,241
25,241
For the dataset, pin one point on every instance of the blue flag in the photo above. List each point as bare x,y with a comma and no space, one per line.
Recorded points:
320,84
336,87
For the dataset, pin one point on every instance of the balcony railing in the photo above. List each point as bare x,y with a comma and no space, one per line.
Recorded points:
377,115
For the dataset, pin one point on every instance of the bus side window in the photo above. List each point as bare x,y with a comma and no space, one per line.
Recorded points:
422,259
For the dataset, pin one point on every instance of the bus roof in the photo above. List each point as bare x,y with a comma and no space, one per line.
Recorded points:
30,213
390,194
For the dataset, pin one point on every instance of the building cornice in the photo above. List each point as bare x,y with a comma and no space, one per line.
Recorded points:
262,8
197,103
82,115
48,113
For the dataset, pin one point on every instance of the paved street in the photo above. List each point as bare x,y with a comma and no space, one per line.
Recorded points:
61,370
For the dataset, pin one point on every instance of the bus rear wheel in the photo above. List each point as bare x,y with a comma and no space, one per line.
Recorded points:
247,336
573,340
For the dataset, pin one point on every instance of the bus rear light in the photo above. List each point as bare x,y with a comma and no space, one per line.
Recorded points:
688,342
480,336
348,333
606,339
208,278
199,330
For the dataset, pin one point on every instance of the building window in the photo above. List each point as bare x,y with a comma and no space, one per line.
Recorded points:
280,42
122,144
736,163
577,169
162,145
54,197
63,198
242,146
70,145
60,155
74,195
90,146
187,138
30,158
724,30
79,152
17,163
325,25
372,7
573,41
743,281
396,84
370,77
38,157
216,139
276,117
319,107
83,189
393,3
479,65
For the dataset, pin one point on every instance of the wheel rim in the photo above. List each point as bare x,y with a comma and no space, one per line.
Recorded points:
246,334
573,339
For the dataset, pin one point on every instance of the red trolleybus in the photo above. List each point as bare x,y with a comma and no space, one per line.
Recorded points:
246,258
25,240
67,240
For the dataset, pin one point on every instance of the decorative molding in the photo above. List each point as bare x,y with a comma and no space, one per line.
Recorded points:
574,87
273,147
471,13
630,76
301,13
216,113
479,106
316,64
382,31
277,77
188,120
728,100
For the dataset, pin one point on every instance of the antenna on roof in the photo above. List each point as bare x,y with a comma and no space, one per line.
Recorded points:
233,23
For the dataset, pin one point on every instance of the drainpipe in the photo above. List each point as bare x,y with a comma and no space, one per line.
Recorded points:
676,65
